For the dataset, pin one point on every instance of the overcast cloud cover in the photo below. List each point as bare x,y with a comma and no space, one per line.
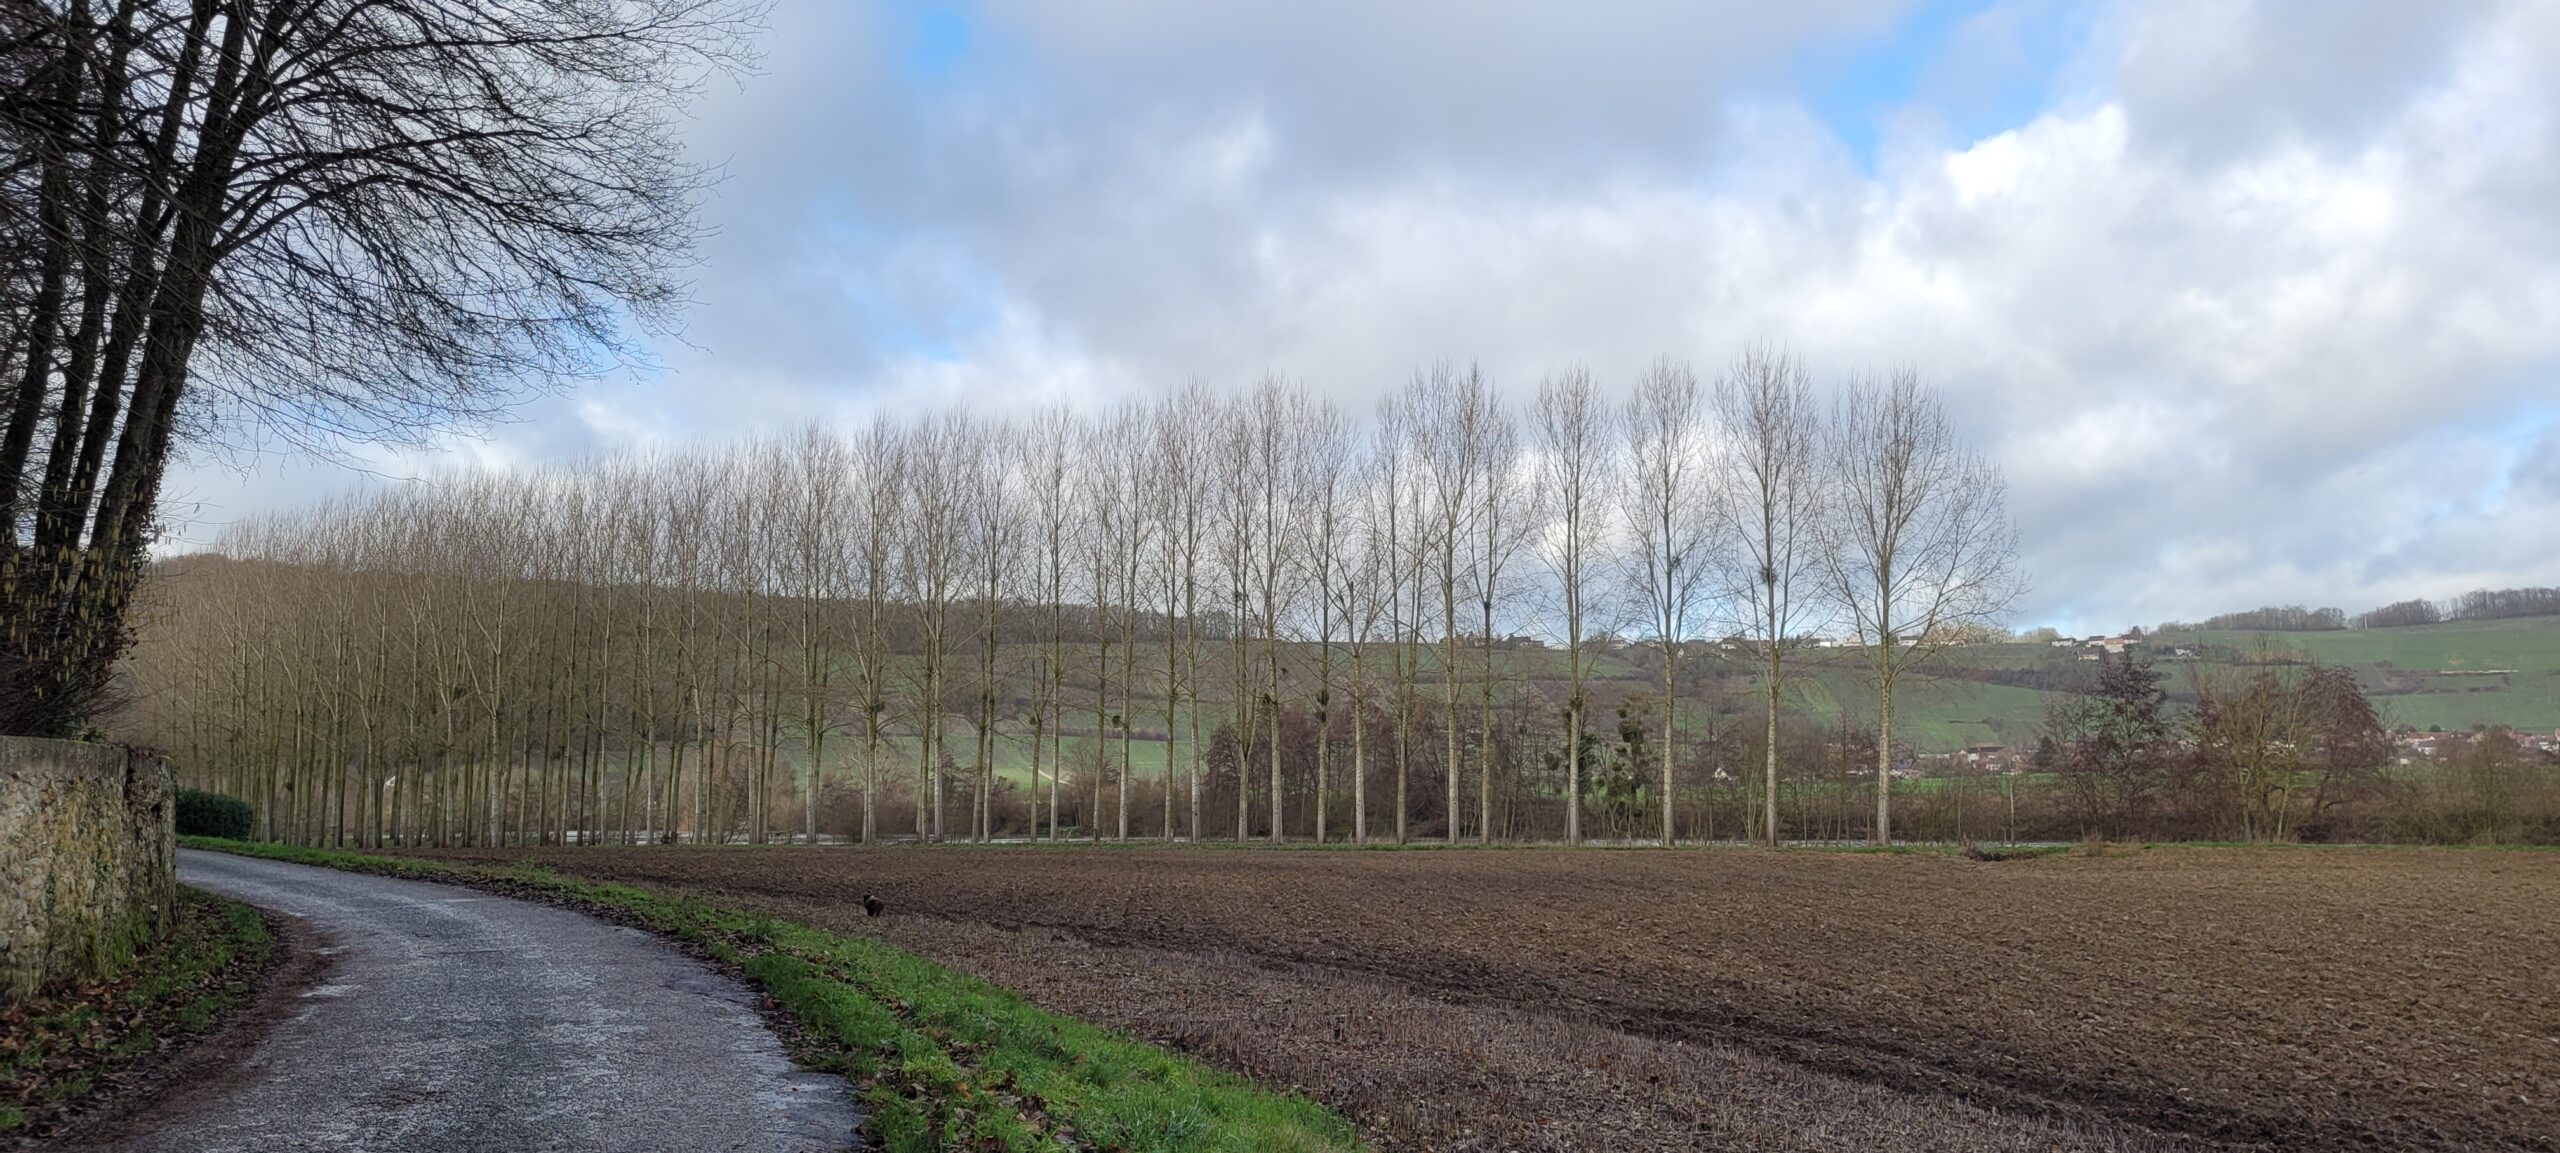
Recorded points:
2255,302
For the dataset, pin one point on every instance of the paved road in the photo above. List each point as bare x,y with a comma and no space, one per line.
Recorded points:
451,1020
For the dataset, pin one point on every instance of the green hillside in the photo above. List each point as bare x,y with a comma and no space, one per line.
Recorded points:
1932,713
2456,675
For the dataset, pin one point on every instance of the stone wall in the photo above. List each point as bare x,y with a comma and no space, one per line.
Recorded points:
88,858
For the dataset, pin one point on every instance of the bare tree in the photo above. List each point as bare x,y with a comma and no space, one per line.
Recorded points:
1184,430
995,538
1576,444
937,496
1501,529
1413,501
1769,482
1360,597
1168,460
1669,528
1918,545
1131,524
1113,505
881,508
1325,452
1239,513
818,504
691,501
1050,451
1280,416
328,220
1399,549
1453,414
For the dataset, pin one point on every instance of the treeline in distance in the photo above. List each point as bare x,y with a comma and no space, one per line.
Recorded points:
988,627
2476,605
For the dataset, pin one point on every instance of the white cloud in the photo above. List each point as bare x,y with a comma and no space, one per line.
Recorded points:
2243,313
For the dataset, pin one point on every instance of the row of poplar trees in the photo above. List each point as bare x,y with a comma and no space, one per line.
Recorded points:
713,643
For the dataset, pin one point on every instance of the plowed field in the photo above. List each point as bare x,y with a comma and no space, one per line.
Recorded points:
1542,998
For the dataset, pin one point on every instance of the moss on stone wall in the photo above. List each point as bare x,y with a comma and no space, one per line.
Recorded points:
87,860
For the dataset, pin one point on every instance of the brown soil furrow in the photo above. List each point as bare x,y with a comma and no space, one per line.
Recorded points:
2321,999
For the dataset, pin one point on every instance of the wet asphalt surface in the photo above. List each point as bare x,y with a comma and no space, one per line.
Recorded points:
449,1020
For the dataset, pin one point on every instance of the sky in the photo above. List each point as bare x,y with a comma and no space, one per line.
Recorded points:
2253,302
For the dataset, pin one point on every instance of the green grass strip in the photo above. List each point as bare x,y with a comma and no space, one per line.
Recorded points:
945,1060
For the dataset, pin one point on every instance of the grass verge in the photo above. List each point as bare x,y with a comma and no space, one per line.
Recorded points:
944,1060
60,1045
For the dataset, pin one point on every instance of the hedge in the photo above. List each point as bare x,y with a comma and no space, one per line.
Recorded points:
203,814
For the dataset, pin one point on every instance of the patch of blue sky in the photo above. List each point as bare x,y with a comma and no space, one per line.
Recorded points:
2524,434
1975,68
900,326
937,39
2528,425
900,297
2485,455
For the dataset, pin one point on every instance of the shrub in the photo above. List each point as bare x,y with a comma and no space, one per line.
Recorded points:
203,814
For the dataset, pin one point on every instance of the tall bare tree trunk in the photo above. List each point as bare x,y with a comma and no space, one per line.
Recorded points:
1769,782
1884,764
1670,720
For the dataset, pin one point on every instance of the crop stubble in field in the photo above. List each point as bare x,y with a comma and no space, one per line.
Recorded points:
2348,998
